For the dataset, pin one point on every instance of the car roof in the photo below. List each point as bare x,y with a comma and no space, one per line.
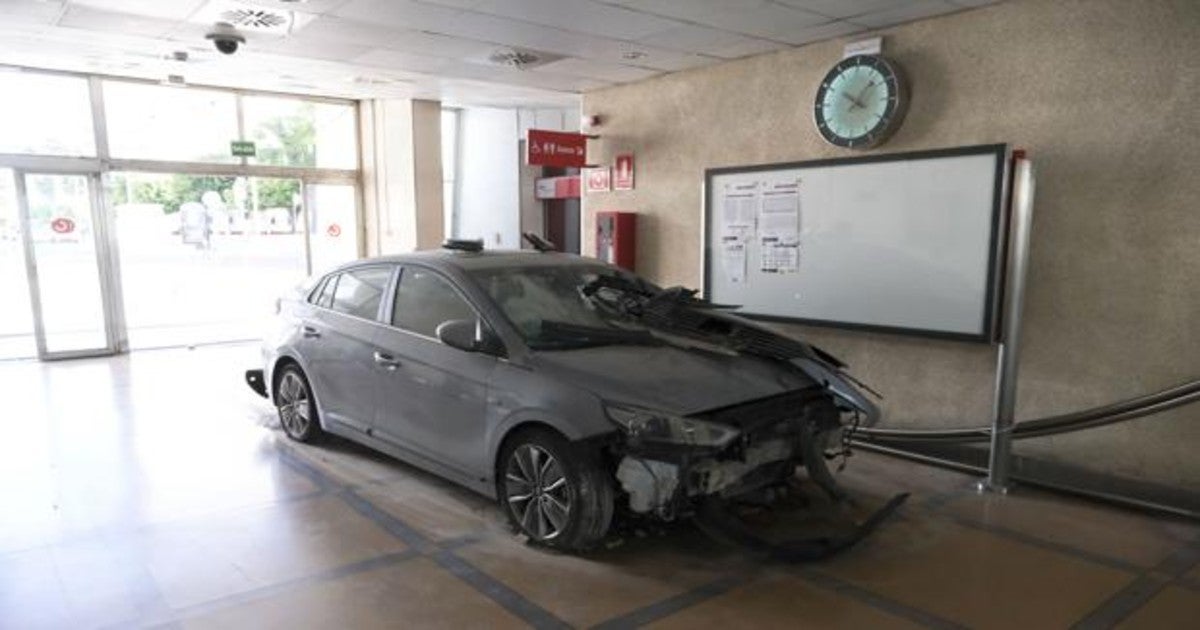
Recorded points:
485,259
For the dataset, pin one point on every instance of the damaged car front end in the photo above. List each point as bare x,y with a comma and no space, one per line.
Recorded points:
670,464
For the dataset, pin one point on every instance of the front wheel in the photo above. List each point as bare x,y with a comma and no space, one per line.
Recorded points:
552,493
297,409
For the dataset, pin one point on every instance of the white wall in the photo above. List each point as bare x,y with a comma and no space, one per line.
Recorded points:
488,206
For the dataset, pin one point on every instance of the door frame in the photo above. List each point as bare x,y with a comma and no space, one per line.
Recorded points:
106,260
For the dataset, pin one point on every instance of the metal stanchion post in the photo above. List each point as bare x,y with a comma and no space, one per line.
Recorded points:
1000,457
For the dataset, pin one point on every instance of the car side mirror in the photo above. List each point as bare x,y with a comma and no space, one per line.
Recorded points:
460,333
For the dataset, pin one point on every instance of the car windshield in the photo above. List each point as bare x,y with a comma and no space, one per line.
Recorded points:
548,306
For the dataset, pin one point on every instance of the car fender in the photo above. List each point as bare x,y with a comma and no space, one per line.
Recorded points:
518,396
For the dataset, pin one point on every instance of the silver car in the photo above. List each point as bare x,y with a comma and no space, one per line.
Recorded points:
570,390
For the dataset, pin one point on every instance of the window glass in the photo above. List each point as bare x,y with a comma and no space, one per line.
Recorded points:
154,122
424,301
45,115
294,132
326,299
314,295
358,292
548,305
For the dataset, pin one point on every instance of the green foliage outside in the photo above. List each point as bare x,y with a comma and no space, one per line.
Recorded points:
288,140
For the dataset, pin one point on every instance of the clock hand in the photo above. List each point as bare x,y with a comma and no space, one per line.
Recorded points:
863,92
853,100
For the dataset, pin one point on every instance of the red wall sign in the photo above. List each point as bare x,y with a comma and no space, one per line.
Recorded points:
62,225
623,172
599,179
556,148
334,230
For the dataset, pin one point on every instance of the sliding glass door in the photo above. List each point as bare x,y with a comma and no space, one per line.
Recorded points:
66,248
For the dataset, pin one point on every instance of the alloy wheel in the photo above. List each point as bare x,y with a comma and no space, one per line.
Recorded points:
537,492
293,405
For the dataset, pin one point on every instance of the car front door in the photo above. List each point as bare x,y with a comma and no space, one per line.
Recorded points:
432,397
340,338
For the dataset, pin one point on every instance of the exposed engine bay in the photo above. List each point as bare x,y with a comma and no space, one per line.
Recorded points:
671,467
666,480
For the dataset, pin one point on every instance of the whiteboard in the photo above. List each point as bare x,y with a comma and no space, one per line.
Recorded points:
905,243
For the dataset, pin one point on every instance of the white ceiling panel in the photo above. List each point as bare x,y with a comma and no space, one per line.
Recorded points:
845,8
771,21
503,31
688,9
748,47
616,73
87,18
440,45
29,12
395,60
299,46
434,48
822,32
691,38
308,6
582,16
164,9
333,29
402,13
906,13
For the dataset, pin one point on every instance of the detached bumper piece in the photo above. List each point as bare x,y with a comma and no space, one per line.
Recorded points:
257,382
716,520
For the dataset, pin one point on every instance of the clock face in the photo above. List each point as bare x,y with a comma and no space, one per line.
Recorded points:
860,102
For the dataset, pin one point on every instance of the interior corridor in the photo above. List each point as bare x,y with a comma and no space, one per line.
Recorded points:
153,490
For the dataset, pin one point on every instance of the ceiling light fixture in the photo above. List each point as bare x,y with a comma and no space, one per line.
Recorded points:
632,54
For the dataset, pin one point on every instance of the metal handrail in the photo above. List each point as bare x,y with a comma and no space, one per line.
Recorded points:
1141,406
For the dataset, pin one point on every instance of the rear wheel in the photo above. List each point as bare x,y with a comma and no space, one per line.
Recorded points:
297,409
553,493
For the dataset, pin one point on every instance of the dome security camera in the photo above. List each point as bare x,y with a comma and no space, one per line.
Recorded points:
225,38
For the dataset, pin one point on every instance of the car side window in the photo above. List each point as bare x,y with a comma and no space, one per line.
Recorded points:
325,298
314,296
424,300
359,291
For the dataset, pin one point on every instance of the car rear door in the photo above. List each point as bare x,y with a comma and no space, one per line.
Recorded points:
340,336
432,398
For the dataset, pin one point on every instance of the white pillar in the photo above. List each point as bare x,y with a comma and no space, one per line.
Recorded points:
402,175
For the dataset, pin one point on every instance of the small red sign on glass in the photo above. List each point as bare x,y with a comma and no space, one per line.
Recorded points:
623,172
599,179
62,225
556,148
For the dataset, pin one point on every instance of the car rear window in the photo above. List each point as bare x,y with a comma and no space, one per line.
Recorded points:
359,291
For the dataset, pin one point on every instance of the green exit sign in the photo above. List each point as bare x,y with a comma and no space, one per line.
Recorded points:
242,148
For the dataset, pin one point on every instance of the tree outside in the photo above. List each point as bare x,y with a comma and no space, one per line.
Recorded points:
288,139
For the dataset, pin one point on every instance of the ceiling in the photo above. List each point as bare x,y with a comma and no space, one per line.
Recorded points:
437,49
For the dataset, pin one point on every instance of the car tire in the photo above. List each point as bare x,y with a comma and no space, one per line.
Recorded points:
553,491
296,406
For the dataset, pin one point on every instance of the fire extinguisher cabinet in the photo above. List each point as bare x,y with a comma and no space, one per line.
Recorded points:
616,238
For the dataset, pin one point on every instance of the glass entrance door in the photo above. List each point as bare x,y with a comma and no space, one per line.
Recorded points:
65,256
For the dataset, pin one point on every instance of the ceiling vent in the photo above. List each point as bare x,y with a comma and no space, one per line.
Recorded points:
257,19
521,58
250,18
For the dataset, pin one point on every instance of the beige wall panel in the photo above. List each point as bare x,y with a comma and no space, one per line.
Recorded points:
1103,93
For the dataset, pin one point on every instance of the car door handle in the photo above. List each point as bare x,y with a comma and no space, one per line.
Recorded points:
310,333
386,360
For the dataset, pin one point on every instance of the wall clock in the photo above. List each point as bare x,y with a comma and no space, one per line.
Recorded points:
860,102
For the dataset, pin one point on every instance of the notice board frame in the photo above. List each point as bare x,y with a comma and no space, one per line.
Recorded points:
997,240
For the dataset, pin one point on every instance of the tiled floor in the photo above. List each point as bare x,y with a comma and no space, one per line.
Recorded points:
152,490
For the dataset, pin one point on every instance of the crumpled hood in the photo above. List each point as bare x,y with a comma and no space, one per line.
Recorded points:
670,379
